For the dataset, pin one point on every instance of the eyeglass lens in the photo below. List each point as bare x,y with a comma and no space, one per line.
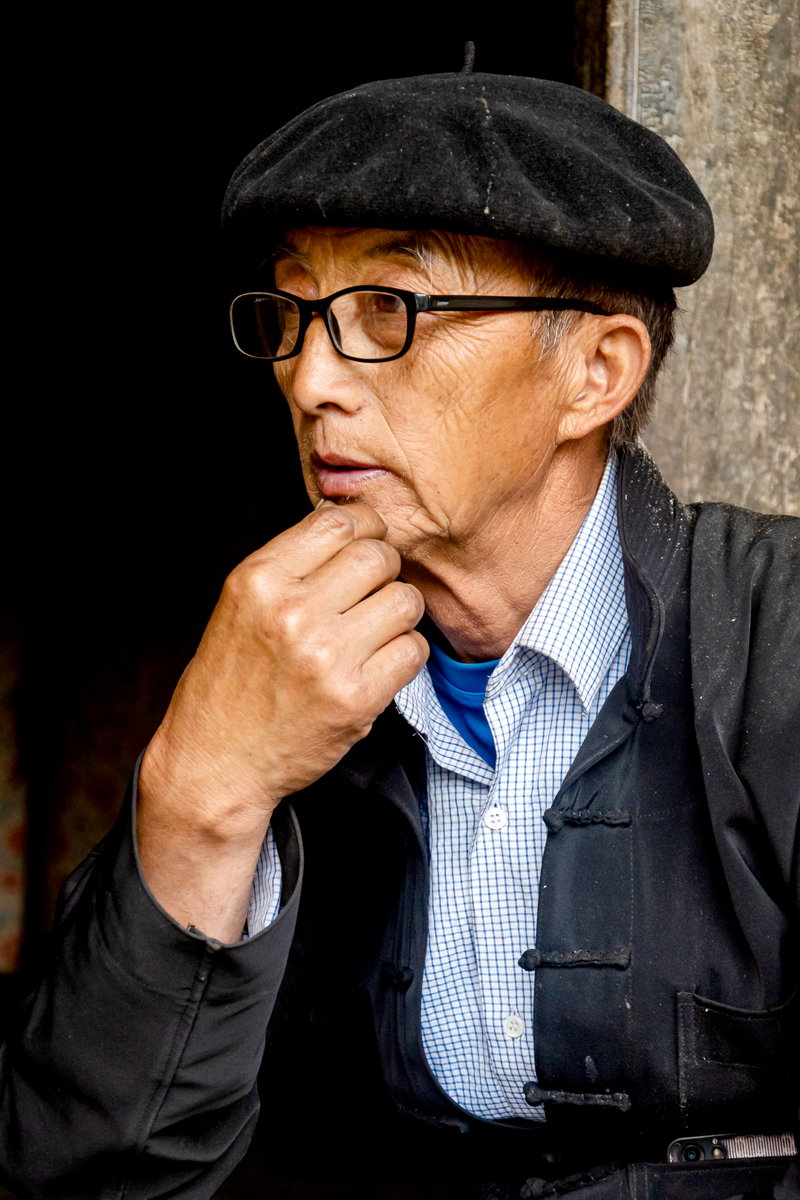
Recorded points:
265,326
367,325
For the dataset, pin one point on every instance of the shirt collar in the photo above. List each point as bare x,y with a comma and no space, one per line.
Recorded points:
581,617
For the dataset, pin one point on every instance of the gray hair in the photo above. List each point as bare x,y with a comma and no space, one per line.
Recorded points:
617,291
615,287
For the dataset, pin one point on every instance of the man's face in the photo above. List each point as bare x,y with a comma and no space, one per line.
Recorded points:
453,436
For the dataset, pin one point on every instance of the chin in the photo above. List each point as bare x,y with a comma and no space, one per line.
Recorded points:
410,532
410,528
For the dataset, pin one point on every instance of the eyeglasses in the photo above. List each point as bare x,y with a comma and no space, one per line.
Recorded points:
365,324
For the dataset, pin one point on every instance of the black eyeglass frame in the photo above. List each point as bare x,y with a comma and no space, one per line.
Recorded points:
415,302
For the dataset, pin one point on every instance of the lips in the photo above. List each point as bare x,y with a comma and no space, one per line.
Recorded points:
340,475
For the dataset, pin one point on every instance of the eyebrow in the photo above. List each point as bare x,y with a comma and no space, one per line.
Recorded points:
287,250
421,247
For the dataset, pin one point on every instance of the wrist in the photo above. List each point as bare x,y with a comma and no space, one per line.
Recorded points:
209,798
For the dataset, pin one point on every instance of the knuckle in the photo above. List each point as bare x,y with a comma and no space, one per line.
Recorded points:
348,706
237,581
415,601
406,601
416,650
288,618
317,660
246,583
392,555
370,556
334,521
346,711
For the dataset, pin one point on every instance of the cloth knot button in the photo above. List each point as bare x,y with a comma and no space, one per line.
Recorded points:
514,1026
554,820
495,818
401,977
530,960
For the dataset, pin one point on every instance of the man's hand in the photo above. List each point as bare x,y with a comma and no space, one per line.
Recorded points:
310,640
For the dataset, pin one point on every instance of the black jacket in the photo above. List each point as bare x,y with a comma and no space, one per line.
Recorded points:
665,970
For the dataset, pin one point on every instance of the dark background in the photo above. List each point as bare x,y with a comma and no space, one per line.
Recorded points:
144,455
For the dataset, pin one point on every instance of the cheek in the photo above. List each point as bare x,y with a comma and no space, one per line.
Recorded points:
427,421
474,399
462,418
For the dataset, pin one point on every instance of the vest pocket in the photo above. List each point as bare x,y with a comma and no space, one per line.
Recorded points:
734,1064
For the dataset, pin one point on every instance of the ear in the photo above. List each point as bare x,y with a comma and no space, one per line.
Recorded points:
612,355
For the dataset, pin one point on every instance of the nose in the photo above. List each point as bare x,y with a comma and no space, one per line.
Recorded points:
319,377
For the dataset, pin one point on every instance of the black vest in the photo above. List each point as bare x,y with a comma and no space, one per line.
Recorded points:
666,965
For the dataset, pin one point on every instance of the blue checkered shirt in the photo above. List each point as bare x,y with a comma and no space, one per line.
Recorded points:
484,826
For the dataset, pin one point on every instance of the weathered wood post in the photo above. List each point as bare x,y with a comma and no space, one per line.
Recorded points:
719,80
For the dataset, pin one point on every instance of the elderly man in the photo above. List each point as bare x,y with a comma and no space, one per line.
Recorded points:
527,919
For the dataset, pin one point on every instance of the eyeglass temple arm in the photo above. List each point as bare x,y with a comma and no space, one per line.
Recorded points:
504,304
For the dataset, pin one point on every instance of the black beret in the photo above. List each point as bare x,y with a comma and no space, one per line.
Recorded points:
495,155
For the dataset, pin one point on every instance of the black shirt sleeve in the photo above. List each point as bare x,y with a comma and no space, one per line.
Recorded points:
132,1068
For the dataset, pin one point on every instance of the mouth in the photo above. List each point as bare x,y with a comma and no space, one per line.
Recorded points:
339,475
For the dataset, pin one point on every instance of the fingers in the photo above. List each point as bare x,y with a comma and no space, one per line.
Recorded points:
318,537
357,570
389,613
395,665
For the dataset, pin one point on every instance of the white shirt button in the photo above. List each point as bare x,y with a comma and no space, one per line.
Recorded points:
495,818
513,1026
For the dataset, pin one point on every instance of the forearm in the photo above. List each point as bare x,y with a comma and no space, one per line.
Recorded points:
199,868
137,1055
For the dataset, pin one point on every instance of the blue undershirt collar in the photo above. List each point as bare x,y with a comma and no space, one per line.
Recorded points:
461,689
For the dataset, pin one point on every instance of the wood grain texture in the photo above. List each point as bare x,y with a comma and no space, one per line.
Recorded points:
718,79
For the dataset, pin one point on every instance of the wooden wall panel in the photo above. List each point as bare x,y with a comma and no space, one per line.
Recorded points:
719,80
